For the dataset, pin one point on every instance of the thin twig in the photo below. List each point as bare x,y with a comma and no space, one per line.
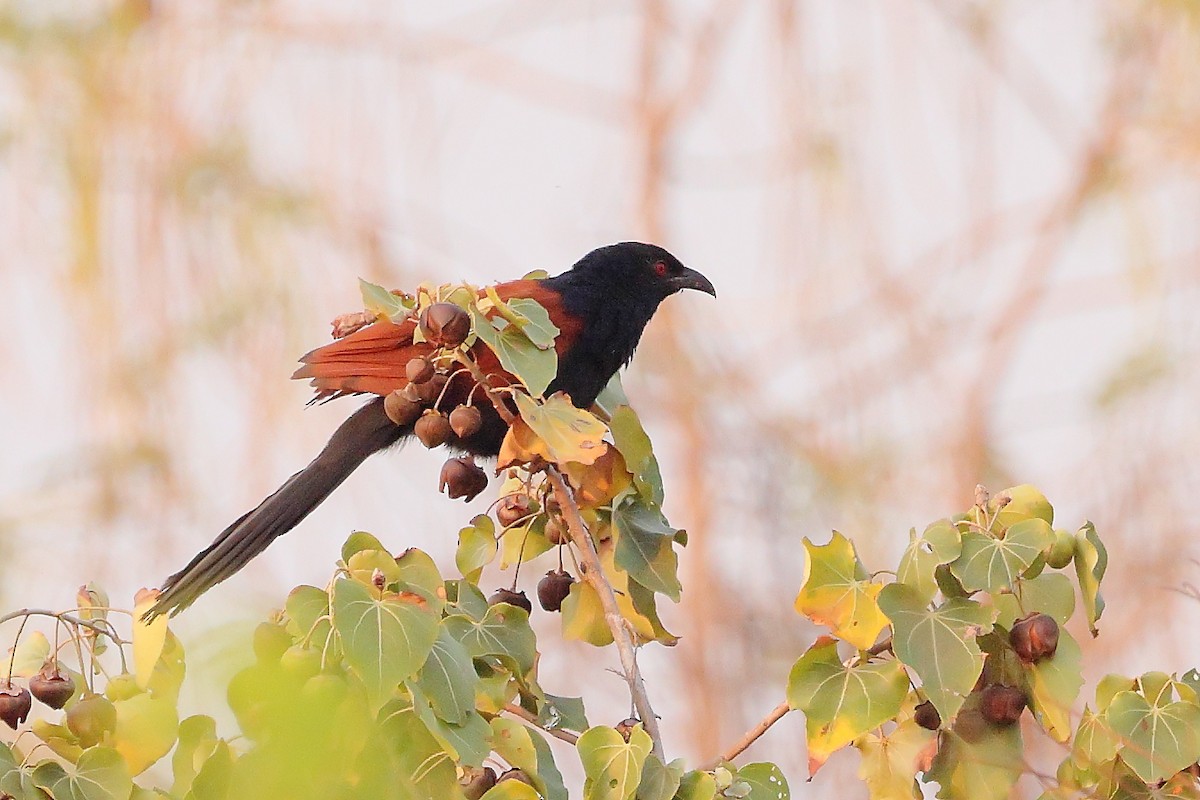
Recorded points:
517,711
481,380
751,735
593,573
104,628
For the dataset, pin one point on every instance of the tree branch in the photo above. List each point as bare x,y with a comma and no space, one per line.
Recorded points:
592,572
557,733
751,736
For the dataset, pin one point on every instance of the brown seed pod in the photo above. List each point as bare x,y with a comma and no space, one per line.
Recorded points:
445,325
400,409
433,429
411,394
466,421
513,508
462,477
553,588
431,390
51,688
517,599
1002,705
14,705
927,716
625,727
480,784
419,369
1034,637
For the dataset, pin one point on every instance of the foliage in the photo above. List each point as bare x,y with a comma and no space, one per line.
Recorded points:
398,681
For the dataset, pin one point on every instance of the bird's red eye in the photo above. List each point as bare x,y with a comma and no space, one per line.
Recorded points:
660,269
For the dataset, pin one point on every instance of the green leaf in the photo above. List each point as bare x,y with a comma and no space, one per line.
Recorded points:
517,353
305,605
837,592
630,438
464,598
100,774
841,703
645,548
1160,737
476,547
1091,560
1049,593
569,433
363,565
525,542
359,541
197,742
890,763
659,781
1027,503
503,631
940,543
1054,685
994,564
552,781
145,730
939,644
419,574
697,785
513,742
511,790
29,655
612,765
767,781
385,640
644,605
1095,743
583,616
420,758
448,679
468,742
1109,687
562,713
534,321
985,768
381,302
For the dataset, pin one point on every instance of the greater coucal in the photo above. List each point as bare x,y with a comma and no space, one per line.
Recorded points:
601,306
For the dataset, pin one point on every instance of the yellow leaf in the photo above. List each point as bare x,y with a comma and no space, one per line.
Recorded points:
569,433
837,592
148,637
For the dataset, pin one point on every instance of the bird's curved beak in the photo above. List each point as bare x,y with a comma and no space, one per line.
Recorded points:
690,279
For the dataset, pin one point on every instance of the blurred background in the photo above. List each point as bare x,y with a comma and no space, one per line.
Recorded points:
955,241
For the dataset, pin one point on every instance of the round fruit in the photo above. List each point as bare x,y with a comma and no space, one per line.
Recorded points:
53,690
970,725
1060,553
301,661
270,642
419,370
514,508
466,420
480,784
1034,637
411,393
462,477
91,718
14,705
927,716
625,727
553,589
517,599
433,429
431,390
121,687
445,325
1002,705
556,531
400,409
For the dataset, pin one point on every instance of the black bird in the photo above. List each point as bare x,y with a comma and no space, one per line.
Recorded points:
601,306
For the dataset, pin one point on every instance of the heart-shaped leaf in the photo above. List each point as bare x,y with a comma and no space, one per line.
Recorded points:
837,592
612,765
993,564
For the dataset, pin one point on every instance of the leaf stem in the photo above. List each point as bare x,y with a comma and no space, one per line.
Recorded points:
751,736
481,380
557,733
592,572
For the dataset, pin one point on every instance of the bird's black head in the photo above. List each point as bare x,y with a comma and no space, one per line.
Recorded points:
635,270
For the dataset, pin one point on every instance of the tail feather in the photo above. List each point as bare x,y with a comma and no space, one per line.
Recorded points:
367,431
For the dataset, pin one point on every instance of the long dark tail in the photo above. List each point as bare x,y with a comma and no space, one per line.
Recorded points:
367,431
